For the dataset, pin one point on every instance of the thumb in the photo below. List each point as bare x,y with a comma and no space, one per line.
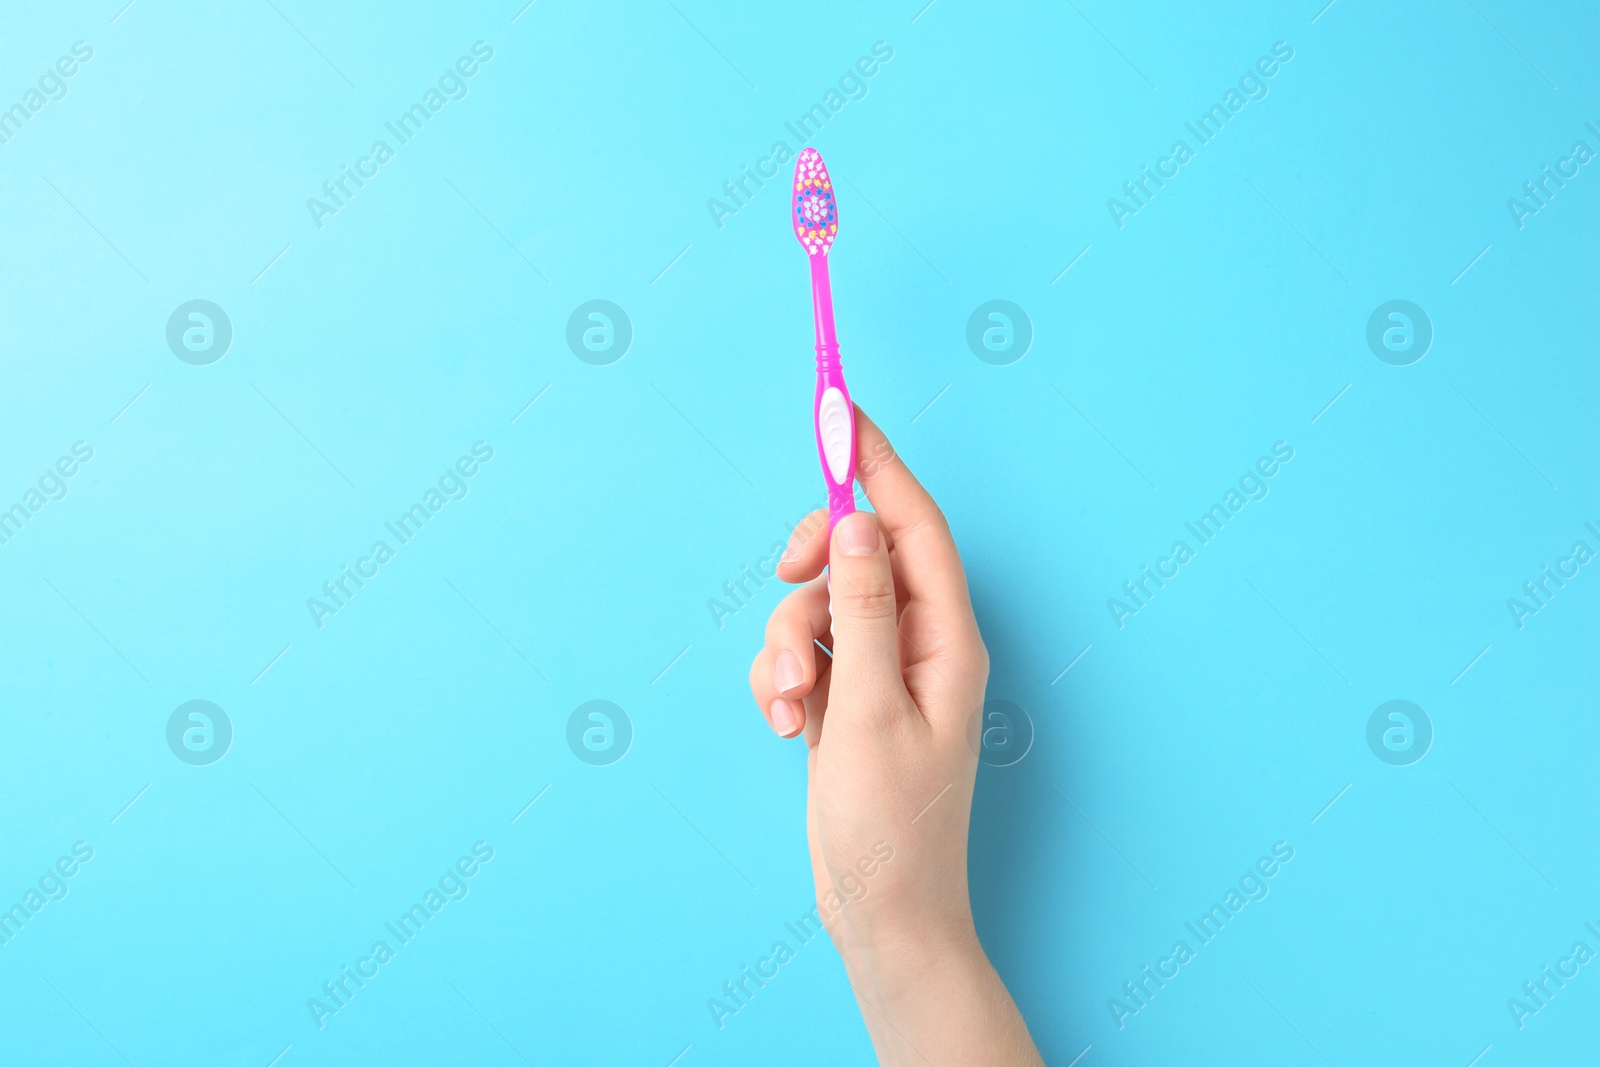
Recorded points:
866,642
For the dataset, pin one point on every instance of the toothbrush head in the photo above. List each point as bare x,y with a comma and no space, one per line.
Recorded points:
816,215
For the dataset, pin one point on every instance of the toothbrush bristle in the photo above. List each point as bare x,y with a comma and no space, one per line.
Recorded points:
816,215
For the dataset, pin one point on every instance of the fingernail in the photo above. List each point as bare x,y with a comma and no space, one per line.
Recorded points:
787,672
858,534
787,717
792,552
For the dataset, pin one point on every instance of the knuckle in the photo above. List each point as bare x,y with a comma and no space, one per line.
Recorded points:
967,656
870,462
801,537
784,618
867,597
932,521
980,659
808,526
775,621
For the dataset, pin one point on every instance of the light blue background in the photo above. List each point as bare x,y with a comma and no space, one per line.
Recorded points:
372,352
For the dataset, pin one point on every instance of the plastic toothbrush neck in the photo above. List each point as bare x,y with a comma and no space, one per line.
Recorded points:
822,308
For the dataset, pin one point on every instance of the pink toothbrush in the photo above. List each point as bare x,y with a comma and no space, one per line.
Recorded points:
816,223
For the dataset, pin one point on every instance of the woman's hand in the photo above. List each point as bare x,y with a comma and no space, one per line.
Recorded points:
891,724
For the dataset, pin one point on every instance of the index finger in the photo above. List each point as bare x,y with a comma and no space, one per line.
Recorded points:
929,564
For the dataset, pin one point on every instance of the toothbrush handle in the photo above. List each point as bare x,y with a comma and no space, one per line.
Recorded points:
833,414
836,436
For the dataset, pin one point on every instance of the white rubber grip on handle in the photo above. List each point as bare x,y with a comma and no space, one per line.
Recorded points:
835,426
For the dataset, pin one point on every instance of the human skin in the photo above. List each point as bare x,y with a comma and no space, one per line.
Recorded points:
890,724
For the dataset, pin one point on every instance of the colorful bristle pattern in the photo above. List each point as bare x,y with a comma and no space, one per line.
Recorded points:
816,216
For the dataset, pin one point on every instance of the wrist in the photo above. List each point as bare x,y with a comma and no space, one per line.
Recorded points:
898,962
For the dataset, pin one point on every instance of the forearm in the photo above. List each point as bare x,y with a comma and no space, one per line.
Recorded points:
937,1001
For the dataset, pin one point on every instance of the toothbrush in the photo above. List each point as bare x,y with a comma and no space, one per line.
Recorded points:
816,222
